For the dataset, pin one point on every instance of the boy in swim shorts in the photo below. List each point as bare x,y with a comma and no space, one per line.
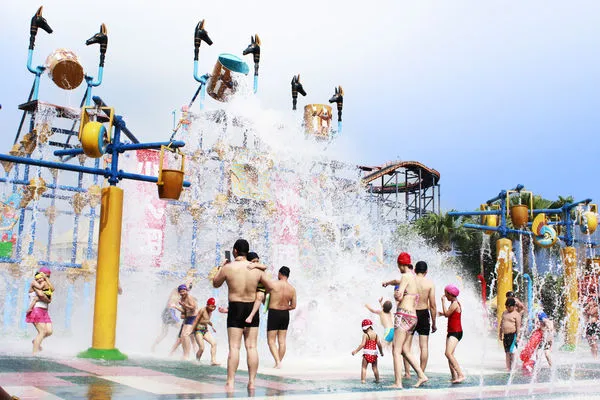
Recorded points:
510,326
385,317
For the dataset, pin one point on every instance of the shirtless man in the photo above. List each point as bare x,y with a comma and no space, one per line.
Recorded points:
241,283
201,332
283,299
188,306
425,307
169,316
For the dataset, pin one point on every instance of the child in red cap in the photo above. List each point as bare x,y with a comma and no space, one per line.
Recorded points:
201,332
455,332
370,343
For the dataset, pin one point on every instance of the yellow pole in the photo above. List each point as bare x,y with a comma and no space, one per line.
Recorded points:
107,277
505,274
569,256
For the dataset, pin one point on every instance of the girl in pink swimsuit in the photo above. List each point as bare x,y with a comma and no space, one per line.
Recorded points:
370,343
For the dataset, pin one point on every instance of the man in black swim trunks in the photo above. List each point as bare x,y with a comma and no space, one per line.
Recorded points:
241,283
426,314
283,299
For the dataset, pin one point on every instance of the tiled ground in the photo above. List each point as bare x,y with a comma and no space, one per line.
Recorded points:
45,378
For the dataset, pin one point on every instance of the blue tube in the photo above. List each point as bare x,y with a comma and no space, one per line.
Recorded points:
30,62
339,127
255,84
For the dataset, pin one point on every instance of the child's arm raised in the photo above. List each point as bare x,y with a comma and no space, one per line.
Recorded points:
361,345
374,311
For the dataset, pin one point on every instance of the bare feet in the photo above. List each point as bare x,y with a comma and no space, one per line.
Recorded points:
251,385
396,386
407,376
459,379
421,381
214,363
277,366
363,381
229,387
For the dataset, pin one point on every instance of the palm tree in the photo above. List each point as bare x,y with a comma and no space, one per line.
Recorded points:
442,230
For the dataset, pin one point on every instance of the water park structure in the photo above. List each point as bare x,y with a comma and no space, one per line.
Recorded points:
505,214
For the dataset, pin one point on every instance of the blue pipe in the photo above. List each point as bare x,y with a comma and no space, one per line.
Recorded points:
202,97
121,148
48,185
529,302
255,84
111,174
339,127
37,71
482,212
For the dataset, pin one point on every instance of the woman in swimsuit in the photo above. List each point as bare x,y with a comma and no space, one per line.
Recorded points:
405,320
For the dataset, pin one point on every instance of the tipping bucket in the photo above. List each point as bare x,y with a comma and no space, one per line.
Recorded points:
221,85
317,120
64,69
170,181
519,215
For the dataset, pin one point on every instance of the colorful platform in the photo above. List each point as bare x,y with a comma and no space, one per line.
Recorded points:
44,378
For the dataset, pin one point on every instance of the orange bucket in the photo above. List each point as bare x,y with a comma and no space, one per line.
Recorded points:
170,181
64,69
519,215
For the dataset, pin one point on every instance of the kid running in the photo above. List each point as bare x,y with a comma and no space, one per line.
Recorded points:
370,343
455,332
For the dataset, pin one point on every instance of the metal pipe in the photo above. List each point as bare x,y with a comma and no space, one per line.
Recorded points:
465,213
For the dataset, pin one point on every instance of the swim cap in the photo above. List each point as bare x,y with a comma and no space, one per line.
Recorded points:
181,287
366,324
404,259
453,290
210,302
38,275
45,271
542,316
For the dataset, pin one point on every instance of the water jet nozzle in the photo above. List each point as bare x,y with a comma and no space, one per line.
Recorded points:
254,49
338,98
102,39
37,21
296,88
200,35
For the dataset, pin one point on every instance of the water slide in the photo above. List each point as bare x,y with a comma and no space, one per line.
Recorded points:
416,175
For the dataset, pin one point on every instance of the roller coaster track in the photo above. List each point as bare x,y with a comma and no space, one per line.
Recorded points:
422,177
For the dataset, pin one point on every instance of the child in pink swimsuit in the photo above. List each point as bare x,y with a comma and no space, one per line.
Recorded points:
370,343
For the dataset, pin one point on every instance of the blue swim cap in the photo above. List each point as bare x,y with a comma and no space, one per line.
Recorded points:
542,316
181,287
396,287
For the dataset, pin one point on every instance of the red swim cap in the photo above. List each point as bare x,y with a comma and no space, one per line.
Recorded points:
210,302
404,259
367,324
45,271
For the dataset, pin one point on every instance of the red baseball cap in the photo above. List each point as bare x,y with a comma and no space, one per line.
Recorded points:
404,259
210,302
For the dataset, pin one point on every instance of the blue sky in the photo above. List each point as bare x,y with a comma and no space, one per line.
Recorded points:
491,94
